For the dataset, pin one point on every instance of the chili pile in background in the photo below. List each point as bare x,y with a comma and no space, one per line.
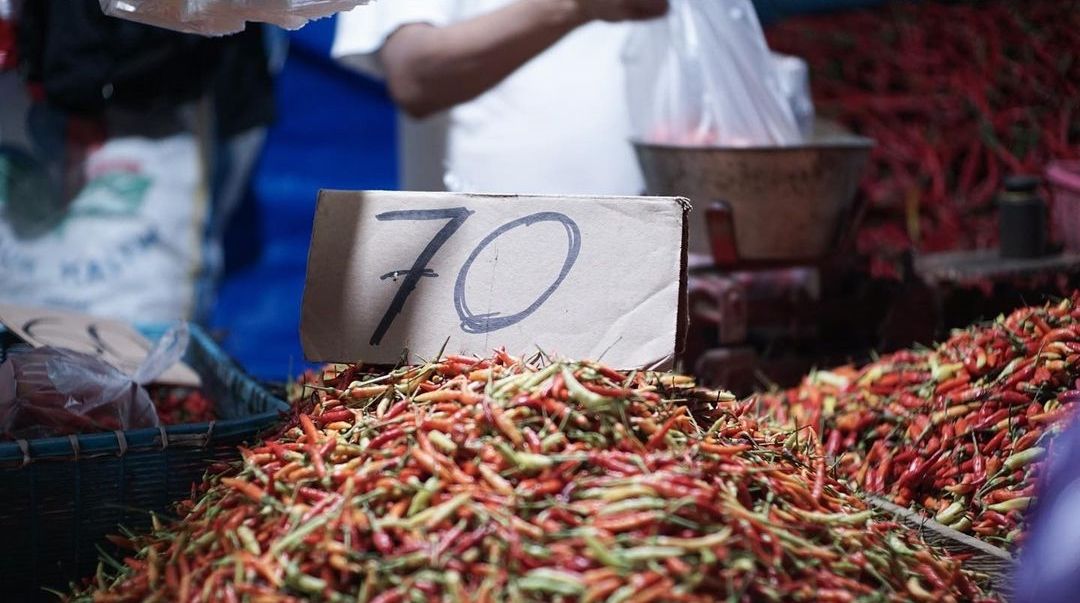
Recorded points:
957,430
179,405
957,95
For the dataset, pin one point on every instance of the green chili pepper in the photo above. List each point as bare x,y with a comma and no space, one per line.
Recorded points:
552,581
1023,458
423,496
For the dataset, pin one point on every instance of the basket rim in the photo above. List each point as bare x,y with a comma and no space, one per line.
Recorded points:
120,442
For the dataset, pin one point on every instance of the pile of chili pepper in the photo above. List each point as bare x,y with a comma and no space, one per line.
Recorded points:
957,430
179,405
508,480
957,95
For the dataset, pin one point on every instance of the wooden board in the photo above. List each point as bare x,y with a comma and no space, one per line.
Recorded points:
962,266
995,562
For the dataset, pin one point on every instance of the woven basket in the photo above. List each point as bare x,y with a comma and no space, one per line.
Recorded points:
59,497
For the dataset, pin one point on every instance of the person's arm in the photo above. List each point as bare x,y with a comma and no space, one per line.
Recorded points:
430,68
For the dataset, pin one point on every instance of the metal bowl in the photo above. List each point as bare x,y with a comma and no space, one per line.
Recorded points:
789,204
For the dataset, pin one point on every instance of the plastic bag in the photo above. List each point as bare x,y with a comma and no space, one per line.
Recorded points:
220,17
703,75
1049,568
794,77
135,224
51,391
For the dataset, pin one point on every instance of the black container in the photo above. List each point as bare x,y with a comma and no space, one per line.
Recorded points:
60,497
1022,218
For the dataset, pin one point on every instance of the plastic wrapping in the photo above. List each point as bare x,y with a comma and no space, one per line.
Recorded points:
793,74
51,391
220,17
7,35
703,76
1049,568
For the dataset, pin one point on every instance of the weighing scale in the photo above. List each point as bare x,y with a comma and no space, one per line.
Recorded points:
775,287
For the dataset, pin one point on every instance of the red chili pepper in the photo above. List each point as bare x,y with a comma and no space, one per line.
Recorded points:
309,428
658,437
626,521
721,449
613,464
1013,397
1027,440
953,384
278,451
248,489
396,410
833,445
995,442
335,416
1062,334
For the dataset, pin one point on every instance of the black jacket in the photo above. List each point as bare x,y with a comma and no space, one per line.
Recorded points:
87,62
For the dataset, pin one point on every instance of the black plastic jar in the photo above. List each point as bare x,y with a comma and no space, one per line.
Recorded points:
1022,218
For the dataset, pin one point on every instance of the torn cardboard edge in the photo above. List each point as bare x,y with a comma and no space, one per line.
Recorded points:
682,321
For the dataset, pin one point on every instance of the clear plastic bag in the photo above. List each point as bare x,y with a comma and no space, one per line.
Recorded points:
794,77
703,76
220,17
51,391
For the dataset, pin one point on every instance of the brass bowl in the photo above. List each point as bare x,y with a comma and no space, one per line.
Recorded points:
789,204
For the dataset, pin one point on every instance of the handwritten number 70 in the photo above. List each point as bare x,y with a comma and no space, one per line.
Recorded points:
455,217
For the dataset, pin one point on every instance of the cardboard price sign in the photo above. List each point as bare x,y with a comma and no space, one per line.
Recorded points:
582,277
115,342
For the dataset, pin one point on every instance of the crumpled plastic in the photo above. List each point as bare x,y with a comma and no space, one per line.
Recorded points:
48,391
704,76
794,77
221,17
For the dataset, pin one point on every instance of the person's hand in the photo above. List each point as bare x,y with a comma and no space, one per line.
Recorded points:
620,10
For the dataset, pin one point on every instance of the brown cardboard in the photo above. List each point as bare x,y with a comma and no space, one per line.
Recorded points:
620,301
113,341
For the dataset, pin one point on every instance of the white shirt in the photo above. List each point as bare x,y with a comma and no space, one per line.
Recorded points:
558,125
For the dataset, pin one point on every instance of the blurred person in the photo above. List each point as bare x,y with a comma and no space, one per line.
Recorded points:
141,140
534,90
1049,566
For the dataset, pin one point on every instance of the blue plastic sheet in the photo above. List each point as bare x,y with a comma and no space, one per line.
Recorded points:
335,129
771,11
